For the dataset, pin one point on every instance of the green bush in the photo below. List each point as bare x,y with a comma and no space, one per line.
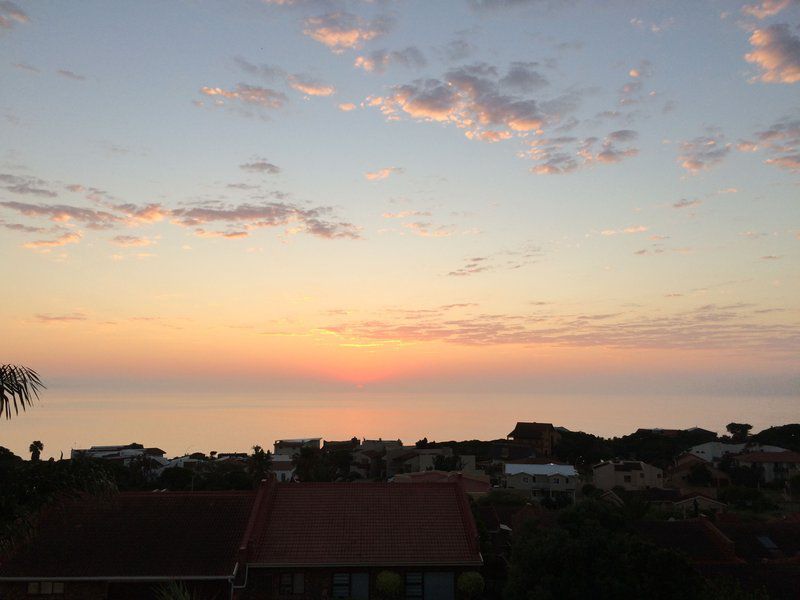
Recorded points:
470,584
389,585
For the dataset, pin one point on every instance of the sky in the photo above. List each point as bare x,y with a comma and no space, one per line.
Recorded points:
372,203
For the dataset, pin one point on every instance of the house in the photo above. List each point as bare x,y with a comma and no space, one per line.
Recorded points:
542,479
283,468
123,453
303,540
542,437
474,485
774,466
129,545
680,474
335,446
627,474
503,450
713,452
317,540
291,448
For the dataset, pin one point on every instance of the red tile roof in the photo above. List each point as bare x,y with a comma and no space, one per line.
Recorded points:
470,483
380,524
768,457
699,540
136,534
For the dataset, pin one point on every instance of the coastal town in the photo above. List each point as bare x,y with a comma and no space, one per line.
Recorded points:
380,518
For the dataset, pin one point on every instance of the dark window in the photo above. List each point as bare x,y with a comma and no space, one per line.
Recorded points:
298,584
341,585
292,583
286,583
627,478
413,585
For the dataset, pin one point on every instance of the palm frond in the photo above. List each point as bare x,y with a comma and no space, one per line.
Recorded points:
19,386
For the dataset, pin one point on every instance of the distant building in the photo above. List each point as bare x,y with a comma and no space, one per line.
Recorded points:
503,450
550,479
122,453
713,452
292,447
473,484
283,468
627,474
335,446
542,437
773,466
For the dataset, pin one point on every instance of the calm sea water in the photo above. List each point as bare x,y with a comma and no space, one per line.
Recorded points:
181,423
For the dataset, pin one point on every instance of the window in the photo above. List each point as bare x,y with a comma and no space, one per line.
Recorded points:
292,583
341,585
413,585
556,480
46,588
627,478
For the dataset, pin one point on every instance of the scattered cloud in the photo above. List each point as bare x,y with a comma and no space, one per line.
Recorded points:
767,8
11,15
382,173
247,94
71,75
65,318
26,67
261,165
625,230
131,241
378,61
653,26
704,152
72,237
505,260
341,31
565,154
427,229
62,213
310,86
404,214
780,142
26,186
776,51
347,106
684,203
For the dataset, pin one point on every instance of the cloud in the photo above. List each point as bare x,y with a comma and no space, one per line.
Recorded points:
684,203
379,60
62,213
72,237
11,15
66,318
248,94
231,235
523,77
309,86
770,257
704,152
425,229
71,75
565,154
381,173
781,144
347,106
261,165
653,26
405,214
26,67
776,51
131,241
28,186
341,31
767,8
314,221
499,261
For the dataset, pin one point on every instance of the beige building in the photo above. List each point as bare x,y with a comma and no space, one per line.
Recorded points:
627,474
543,479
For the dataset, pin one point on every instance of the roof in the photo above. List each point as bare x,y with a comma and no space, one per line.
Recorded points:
697,539
530,430
539,469
622,465
136,534
759,541
470,483
373,524
768,457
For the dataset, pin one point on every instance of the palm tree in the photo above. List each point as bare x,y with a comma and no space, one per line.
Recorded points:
18,387
36,450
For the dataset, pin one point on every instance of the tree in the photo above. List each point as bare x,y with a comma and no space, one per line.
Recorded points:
259,463
36,450
699,475
739,432
18,387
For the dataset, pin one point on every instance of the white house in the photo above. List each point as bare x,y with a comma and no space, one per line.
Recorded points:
542,479
627,474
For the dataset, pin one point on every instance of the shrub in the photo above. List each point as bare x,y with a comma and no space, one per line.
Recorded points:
389,585
470,584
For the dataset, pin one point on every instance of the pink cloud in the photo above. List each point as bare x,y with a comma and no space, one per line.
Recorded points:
776,51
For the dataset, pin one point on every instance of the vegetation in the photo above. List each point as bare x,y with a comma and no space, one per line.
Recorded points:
470,584
389,585
18,387
784,436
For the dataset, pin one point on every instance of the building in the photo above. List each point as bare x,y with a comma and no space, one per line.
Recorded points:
713,452
123,453
773,466
542,480
679,475
627,474
542,437
283,468
298,540
474,485
291,448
